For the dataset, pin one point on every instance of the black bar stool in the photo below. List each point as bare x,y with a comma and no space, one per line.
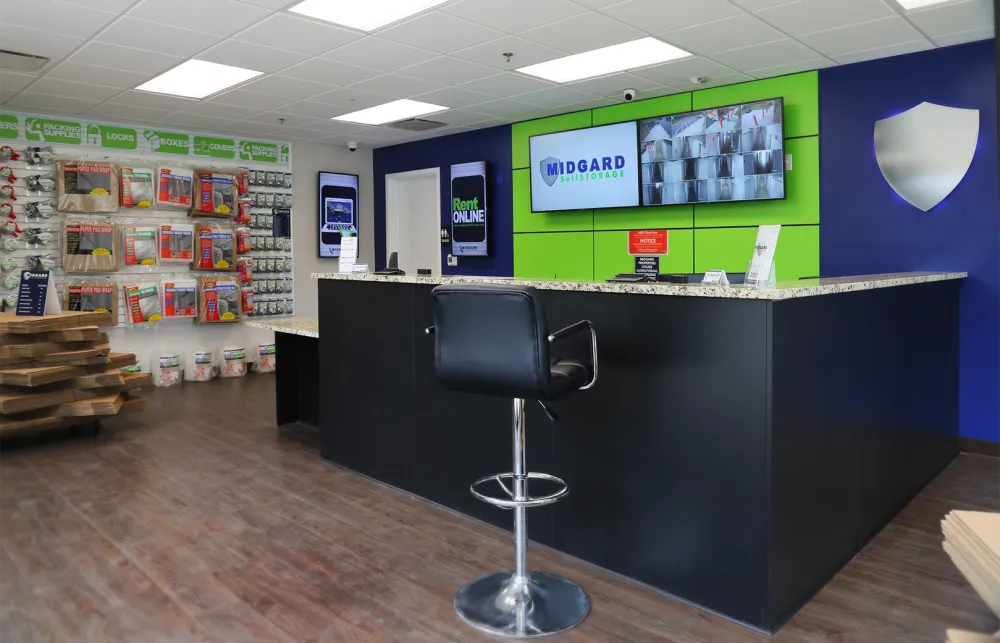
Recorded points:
494,340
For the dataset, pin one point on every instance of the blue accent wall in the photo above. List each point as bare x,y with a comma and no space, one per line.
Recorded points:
492,145
867,228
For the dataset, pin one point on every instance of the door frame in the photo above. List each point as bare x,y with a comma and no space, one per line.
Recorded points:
392,212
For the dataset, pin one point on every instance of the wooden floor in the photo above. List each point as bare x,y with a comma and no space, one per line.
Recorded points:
197,520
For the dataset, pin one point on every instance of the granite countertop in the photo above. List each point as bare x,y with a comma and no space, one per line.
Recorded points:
305,326
783,290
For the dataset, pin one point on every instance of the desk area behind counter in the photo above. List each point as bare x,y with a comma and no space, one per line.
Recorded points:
740,446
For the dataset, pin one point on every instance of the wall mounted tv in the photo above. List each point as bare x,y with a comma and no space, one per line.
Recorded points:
596,167
732,153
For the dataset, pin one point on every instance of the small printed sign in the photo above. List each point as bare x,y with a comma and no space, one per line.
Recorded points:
648,242
216,148
445,236
37,294
648,266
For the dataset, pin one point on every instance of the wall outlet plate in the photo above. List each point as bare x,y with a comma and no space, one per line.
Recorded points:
452,260
788,162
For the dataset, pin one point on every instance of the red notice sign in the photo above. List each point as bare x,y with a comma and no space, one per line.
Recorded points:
647,242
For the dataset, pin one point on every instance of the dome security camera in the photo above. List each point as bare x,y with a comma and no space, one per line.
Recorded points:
352,145
629,95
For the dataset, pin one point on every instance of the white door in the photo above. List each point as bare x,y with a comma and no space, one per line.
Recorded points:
413,219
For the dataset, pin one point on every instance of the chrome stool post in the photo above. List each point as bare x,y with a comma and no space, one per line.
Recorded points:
521,604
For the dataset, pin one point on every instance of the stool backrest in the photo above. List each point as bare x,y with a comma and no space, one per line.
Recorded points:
492,340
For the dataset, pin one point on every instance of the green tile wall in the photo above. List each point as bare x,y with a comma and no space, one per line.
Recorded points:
573,245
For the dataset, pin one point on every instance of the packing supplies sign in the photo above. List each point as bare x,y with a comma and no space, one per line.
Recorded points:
51,131
468,210
260,152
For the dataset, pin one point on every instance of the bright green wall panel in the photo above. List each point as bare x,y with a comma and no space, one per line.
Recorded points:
802,188
521,132
730,249
527,221
671,216
643,109
611,254
800,91
554,255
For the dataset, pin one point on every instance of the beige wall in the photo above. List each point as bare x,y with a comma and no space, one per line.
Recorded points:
307,160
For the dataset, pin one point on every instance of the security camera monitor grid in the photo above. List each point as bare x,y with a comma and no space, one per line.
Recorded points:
732,153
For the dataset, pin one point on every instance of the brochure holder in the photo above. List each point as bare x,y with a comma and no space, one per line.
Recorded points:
763,282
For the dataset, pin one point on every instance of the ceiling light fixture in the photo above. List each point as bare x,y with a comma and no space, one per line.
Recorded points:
607,60
390,112
198,79
909,5
361,14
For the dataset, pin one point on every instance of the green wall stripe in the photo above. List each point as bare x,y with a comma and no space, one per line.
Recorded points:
730,249
521,132
561,255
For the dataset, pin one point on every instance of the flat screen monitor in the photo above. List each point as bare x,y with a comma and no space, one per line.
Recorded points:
585,169
732,153
338,211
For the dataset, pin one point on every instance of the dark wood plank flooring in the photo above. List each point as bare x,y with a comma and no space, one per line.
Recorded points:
197,520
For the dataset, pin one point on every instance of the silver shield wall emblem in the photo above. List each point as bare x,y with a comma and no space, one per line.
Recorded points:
549,179
925,152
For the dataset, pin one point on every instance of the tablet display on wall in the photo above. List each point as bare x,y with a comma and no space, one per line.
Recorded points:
585,169
731,153
338,211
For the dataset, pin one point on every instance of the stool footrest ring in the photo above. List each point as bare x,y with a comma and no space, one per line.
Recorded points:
511,503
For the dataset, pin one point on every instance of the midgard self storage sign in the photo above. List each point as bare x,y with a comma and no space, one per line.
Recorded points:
468,209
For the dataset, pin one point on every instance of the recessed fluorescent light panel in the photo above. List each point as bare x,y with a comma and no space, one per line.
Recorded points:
366,15
390,112
198,79
919,4
604,61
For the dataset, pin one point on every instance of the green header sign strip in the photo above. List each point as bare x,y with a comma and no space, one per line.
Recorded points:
42,129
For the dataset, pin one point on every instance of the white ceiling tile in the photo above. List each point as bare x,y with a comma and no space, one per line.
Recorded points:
512,16
583,32
250,56
260,102
657,16
810,16
246,128
116,6
716,81
303,134
791,68
56,17
329,72
984,33
6,95
396,85
525,53
351,99
58,104
681,71
310,109
757,5
291,88
124,58
71,89
884,52
734,32
597,4
273,118
453,97
590,104
378,53
127,113
219,17
193,121
284,31
767,55
156,101
558,96
219,110
15,82
440,32
446,70
867,35
506,84
328,127
505,107
614,84
98,75
35,42
272,4
159,38
458,117
953,17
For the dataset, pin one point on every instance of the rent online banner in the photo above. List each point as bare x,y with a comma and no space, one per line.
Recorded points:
468,210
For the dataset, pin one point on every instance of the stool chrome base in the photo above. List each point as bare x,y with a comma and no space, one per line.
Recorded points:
505,605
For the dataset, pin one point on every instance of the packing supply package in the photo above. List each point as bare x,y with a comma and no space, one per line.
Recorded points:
86,186
176,242
139,245
174,187
138,187
266,359
168,369
198,366
219,299
216,246
92,296
142,304
180,298
234,361
90,245
214,194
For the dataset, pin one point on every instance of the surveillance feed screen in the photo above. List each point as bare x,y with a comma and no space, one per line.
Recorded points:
722,154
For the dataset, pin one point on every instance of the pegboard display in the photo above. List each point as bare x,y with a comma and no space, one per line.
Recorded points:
185,223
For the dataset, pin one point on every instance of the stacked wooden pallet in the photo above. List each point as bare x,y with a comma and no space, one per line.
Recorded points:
58,370
972,540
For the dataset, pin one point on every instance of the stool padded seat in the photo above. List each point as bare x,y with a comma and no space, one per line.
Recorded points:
567,375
